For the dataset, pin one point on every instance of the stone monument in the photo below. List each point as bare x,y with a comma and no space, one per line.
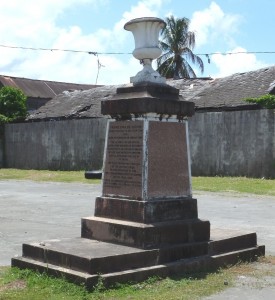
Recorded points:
146,220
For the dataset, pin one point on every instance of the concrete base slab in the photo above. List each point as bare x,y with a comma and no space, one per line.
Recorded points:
81,260
95,257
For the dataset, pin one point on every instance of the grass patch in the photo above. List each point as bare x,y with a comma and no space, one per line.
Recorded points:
44,175
211,184
26,284
235,184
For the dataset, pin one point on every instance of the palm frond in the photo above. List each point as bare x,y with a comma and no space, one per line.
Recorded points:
166,68
196,60
177,43
165,56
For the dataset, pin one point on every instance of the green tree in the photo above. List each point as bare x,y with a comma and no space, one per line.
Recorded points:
266,101
177,43
12,104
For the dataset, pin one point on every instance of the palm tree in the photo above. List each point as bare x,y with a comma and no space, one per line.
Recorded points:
177,44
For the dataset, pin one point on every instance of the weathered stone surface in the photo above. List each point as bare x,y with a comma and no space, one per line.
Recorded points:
93,257
168,166
145,236
80,260
146,211
239,241
148,90
139,107
138,100
146,160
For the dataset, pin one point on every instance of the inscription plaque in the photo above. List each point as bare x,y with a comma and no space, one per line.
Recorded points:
123,162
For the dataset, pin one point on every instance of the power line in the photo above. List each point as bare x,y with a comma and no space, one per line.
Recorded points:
64,50
237,52
123,53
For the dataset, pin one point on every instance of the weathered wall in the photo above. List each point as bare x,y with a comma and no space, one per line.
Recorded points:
237,143
1,153
56,145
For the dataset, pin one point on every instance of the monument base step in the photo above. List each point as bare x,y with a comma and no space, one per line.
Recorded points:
81,260
146,236
147,212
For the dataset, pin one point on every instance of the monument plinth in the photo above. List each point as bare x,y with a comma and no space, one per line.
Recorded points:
145,221
147,197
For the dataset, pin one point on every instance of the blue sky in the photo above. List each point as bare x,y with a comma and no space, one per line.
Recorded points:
221,26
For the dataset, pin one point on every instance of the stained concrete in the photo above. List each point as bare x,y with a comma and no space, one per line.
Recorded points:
56,145
250,288
239,143
1,151
31,211
227,143
240,211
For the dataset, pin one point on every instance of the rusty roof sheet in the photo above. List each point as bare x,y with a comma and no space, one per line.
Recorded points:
42,88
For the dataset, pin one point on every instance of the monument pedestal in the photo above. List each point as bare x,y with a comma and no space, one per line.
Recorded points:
146,220
146,198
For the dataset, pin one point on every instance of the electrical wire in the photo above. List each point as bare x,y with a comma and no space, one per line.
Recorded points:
125,53
64,50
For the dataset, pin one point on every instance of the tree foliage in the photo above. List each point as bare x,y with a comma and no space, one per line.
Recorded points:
267,101
177,43
12,104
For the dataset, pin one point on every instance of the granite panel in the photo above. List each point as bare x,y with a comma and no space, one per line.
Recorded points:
168,173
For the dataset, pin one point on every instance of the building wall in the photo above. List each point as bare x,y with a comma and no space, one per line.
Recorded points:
1,152
56,145
236,143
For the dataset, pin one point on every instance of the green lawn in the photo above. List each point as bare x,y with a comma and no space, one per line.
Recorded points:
25,284
235,184
44,175
211,184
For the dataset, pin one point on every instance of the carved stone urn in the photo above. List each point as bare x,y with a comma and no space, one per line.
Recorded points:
146,35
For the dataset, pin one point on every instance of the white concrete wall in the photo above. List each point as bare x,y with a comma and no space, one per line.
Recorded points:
1,153
56,145
236,143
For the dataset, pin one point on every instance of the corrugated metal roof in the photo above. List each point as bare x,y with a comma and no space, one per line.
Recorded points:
42,88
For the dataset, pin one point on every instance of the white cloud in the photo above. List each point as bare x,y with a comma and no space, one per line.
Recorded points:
215,27
144,8
25,21
212,24
116,70
33,23
241,61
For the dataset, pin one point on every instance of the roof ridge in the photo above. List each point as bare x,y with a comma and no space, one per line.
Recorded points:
43,80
